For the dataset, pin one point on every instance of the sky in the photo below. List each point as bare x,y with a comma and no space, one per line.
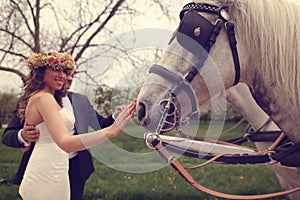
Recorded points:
151,19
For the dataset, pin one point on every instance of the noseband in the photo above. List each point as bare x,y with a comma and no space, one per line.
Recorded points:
195,30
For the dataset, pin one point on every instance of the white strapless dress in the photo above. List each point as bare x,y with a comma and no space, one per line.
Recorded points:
46,176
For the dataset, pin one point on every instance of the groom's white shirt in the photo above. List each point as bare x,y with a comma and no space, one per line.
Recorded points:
67,104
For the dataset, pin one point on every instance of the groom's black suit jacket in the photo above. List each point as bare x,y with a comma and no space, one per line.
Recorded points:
85,117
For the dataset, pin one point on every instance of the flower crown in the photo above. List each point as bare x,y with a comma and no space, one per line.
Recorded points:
55,60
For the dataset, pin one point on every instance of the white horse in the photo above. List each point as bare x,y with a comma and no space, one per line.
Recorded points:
268,43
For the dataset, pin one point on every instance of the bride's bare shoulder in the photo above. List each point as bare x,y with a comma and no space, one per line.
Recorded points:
42,98
39,103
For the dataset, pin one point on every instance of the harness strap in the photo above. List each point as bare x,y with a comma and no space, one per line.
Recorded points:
263,136
204,54
162,151
289,156
283,150
232,41
228,159
200,7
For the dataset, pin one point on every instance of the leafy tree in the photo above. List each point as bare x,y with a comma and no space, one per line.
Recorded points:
106,98
103,96
8,103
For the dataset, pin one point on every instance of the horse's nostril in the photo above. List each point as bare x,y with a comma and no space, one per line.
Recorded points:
141,111
172,109
162,106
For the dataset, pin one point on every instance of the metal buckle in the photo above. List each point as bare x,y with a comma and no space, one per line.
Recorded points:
170,160
247,137
149,138
224,14
272,161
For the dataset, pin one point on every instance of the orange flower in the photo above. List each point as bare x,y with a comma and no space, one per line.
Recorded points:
54,53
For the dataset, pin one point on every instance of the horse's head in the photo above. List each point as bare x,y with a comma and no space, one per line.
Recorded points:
201,61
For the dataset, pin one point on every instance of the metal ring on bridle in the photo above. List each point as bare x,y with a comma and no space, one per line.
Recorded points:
170,106
149,138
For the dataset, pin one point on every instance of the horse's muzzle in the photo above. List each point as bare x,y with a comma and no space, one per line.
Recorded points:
164,114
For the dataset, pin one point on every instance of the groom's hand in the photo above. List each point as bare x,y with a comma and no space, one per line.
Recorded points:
30,134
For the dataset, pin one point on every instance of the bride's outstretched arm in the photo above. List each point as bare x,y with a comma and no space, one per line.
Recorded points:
94,138
68,143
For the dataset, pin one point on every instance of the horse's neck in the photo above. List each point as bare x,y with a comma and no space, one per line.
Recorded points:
277,104
241,98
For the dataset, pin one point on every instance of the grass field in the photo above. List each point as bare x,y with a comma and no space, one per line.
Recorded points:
164,183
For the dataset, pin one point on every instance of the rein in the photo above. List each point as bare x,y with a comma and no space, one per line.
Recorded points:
171,160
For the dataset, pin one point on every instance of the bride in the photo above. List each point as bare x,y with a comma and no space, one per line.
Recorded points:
46,175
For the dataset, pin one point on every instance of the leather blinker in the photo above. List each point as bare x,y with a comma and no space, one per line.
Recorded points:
194,30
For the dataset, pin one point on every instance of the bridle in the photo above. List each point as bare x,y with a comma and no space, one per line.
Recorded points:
197,35
203,33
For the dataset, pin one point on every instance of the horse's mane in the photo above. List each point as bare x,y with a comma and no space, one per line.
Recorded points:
271,30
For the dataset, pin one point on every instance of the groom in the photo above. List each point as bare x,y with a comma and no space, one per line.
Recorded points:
18,135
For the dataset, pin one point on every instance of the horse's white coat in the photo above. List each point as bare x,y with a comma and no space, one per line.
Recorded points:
268,36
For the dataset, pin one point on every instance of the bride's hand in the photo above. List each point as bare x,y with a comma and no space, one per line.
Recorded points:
123,118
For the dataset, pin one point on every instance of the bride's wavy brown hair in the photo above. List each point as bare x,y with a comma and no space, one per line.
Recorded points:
33,83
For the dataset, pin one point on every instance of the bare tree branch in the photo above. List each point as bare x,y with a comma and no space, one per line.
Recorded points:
17,37
86,45
31,25
13,71
14,53
36,20
23,16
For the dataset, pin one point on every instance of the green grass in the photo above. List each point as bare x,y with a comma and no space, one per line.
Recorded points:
9,162
108,183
